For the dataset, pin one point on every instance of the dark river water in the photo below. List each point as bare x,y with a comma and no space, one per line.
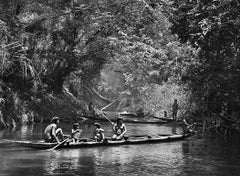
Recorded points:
195,156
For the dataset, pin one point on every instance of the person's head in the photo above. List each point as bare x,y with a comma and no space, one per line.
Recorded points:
97,125
119,120
55,120
75,126
175,100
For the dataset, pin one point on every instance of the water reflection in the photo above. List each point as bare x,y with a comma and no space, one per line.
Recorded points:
174,129
211,156
85,161
25,130
61,162
198,155
155,159
8,132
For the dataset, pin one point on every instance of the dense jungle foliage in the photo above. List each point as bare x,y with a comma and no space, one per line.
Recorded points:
212,27
58,55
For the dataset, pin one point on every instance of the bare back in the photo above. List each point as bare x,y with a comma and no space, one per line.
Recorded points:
49,131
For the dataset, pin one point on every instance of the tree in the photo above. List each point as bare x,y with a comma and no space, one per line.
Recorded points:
213,28
145,53
50,44
44,42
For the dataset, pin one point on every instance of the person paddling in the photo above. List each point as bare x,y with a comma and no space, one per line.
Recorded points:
119,129
98,134
52,133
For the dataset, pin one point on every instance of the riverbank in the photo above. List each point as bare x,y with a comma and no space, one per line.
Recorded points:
40,110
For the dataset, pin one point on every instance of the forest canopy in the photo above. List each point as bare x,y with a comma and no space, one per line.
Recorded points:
213,28
145,53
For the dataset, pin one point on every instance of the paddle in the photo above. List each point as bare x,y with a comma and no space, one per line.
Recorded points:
106,117
58,144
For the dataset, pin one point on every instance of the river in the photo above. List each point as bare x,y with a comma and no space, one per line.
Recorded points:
195,156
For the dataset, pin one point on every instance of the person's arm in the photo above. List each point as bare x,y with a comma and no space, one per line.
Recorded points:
114,127
102,135
122,134
185,122
75,131
94,135
54,133
124,129
192,125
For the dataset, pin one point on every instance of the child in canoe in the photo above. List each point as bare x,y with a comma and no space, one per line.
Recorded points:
98,134
76,132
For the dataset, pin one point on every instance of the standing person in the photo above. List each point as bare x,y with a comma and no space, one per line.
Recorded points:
90,106
76,132
91,109
98,134
175,109
119,129
52,133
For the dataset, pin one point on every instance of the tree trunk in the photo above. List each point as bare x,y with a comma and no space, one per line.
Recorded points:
2,122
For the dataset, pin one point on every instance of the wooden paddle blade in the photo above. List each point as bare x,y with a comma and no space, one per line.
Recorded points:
56,146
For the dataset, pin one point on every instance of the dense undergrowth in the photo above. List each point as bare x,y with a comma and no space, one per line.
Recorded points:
58,56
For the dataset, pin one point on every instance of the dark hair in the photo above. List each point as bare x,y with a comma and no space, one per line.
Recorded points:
55,119
75,125
119,119
97,124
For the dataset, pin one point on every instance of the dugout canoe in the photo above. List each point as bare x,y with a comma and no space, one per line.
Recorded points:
129,114
86,142
166,119
127,120
134,115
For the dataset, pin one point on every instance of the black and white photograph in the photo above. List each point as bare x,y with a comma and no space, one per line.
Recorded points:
119,87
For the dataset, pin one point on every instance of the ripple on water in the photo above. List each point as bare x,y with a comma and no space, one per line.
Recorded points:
192,157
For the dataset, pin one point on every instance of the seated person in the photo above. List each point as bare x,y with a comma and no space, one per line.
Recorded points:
76,132
119,129
98,134
188,128
52,133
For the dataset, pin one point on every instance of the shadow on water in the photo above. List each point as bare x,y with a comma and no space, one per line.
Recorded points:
212,156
